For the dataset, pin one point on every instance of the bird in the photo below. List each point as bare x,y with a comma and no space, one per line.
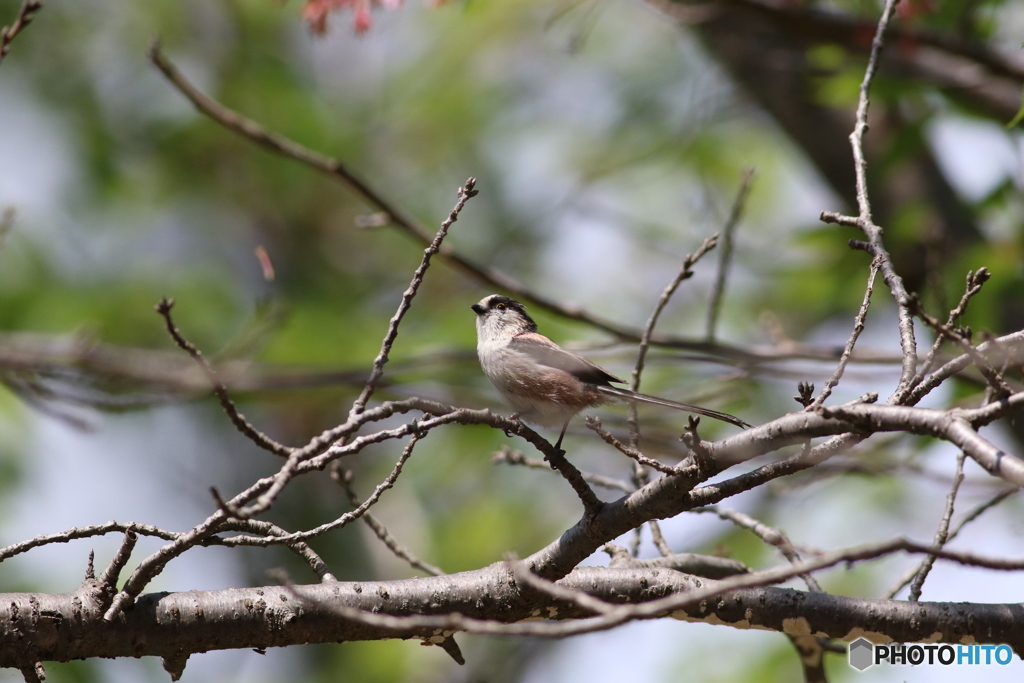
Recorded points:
543,383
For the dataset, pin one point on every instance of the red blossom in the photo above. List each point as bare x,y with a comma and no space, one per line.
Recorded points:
315,12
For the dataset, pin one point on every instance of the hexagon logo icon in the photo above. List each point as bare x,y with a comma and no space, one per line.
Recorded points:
861,654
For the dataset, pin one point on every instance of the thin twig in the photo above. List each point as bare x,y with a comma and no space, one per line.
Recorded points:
295,457
513,457
725,258
344,480
942,533
237,419
709,566
25,16
976,512
353,515
251,526
640,475
975,281
637,538
440,414
151,566
595,424
685,272
659,539
108,580
865,222
863,102
260,527
858,327
465,193
991,375
591,503
1006,349
85,532
768,534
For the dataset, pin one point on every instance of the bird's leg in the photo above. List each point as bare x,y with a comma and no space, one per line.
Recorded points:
561,435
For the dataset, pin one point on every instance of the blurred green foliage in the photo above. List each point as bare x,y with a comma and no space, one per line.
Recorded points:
606,142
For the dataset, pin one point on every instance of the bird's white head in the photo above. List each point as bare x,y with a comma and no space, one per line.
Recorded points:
499,318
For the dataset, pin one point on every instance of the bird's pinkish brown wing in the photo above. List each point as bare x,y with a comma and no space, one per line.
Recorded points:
545,352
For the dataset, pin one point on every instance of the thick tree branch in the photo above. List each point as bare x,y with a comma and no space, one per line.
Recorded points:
959,427
69,626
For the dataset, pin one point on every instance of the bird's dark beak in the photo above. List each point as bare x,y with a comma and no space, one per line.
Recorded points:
478,309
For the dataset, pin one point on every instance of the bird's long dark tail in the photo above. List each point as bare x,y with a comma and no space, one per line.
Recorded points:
628,395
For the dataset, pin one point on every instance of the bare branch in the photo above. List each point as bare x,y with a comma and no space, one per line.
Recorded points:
108,580
685,272
640,475
768,534
858,327
724,260
513,457
466,192
658,539
237,419
301,549
991,375
941,534
980,509
7,34
344,480
909,575
85,532
709,566
297,457
621,614
1008,349
975,280
522,573
34,674
592,505
352,516
271,616
861,127
595,424
865,221
279,144
956,426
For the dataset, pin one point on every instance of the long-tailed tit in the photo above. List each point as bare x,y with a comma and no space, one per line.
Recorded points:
545,384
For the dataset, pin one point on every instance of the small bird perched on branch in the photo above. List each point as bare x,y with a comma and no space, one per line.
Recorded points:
545,384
